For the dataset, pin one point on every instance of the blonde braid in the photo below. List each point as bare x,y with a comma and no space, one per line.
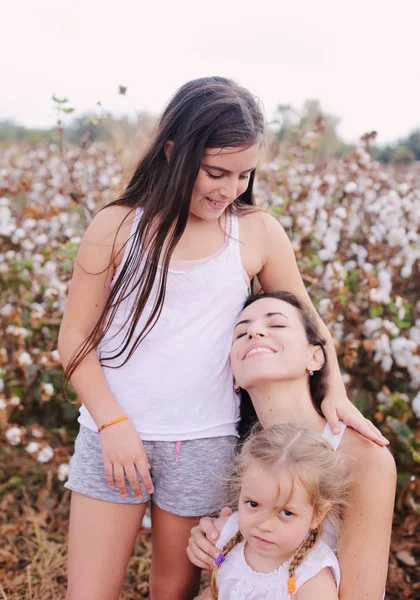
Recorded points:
237,538
298,557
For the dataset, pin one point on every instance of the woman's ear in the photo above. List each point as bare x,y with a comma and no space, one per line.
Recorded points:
168,149
320,515
317,360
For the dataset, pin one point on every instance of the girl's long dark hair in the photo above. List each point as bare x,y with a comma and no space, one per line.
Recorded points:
317,382
212,112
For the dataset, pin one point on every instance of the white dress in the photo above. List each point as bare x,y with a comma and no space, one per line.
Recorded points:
237,581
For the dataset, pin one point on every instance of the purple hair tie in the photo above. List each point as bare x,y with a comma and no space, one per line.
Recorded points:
220,560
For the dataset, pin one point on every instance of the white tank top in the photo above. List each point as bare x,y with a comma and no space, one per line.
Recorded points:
178,384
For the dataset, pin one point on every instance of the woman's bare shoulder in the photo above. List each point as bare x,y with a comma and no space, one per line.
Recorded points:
370,457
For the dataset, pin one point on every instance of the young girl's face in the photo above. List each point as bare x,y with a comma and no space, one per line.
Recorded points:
269,344
275,512
222,178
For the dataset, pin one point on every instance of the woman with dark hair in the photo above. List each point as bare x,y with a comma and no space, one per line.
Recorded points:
281,368
160,277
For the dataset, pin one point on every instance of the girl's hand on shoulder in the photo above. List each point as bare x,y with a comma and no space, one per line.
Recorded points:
123,452
341,409
202,550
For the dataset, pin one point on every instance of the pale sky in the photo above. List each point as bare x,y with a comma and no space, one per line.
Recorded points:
359,58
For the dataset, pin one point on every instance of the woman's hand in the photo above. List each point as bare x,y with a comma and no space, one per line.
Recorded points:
123,452
201,549
340,408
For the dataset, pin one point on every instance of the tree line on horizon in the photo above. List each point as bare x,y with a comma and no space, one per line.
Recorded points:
288,125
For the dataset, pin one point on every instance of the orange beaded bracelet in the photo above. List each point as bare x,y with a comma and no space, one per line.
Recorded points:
112,422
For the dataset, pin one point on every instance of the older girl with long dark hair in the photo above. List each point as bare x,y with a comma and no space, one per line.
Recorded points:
160,277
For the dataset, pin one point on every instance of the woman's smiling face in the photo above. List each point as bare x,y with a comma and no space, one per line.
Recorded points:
269,344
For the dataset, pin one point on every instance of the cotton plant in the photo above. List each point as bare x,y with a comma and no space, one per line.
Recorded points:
353,223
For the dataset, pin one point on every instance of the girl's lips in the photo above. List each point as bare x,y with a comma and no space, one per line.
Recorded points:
217,205
262,542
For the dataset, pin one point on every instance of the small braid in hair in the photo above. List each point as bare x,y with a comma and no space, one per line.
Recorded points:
237,538
298,557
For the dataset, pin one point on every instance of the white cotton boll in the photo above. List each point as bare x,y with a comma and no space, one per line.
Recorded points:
37,432
50,267
375,295
324,307
63,218
383,398
14,436
4,201
48,388
403,188
27,245
385,284
340,212
45,455
396,234
351,186
403,351
55,355
330,179
414,334
15,401
32,447
3,404
286,221
24,359
350,266
372,325
406,271
29,223
346,378
415,405
386,363
41,239
6,310
368,268
63,472
391,327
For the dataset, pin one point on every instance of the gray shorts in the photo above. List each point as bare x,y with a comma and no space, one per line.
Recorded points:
189,483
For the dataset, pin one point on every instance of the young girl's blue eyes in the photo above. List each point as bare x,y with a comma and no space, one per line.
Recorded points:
286,513
252,504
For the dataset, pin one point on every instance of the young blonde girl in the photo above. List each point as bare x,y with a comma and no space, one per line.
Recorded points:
289,487
160,277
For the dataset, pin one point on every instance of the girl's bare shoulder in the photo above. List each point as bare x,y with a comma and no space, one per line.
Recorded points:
110,229
112,221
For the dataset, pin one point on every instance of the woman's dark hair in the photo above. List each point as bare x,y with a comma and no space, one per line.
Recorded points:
212,112
317,381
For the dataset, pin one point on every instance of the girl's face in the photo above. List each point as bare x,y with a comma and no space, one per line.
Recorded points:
270,344
222,178
275,512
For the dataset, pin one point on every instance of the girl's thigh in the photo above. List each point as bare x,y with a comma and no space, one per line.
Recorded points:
101,539
173,576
